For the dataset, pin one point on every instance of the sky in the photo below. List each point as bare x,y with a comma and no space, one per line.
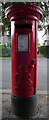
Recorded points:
40,38
41,33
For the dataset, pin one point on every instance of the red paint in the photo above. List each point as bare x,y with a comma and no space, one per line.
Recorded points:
24,20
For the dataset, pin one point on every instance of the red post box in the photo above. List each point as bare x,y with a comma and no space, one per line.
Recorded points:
24,25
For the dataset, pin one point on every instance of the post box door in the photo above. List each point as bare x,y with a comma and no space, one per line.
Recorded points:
25,73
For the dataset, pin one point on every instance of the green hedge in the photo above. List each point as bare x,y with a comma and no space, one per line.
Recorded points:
4,51
44,50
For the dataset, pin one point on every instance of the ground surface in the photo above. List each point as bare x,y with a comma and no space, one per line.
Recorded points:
41,102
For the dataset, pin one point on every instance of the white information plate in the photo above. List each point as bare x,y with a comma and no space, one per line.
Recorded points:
23,42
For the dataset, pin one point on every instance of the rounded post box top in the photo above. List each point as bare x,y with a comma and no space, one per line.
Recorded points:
24,11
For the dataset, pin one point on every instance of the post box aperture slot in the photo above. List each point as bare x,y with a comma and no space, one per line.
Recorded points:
24,26
23,43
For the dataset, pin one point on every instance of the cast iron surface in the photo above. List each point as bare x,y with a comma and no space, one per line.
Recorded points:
24,11
24,106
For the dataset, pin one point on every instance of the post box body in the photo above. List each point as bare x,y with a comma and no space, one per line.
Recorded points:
24,60
24,24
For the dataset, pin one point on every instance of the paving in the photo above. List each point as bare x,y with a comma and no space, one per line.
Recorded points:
42,105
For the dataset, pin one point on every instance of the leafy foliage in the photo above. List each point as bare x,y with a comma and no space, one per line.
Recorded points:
44,50
4,51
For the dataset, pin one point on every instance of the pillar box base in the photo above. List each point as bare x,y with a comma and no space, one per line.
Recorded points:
24,107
